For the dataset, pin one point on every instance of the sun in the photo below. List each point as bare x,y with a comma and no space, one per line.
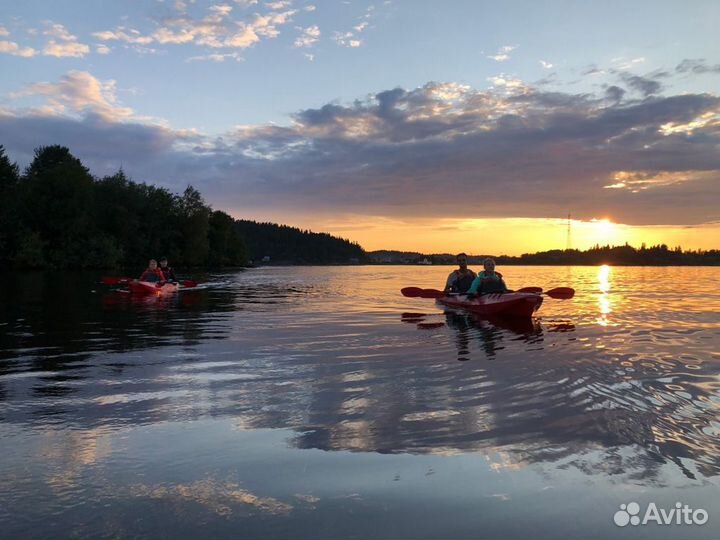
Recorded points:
603,229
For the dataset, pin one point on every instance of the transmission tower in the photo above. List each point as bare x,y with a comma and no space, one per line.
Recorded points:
568,237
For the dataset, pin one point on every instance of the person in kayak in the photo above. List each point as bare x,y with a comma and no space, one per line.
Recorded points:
166,270
488,281
459,280
153,274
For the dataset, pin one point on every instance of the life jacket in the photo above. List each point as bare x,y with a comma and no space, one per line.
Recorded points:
168,273
463,281
490,283
152,276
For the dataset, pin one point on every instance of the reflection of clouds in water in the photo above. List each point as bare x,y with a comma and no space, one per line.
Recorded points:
219,496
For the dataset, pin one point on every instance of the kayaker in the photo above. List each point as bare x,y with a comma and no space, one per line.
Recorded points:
488,281
459,280
166,270
153,274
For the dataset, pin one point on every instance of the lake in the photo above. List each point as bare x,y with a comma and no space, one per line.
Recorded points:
317,402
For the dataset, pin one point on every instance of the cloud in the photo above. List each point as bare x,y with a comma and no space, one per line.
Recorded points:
4,32
62,43
503,53
216,30
442,150
102,49
346,39
646,86
13,49
546,65
308,36
217,57
79,92
697,66
66,49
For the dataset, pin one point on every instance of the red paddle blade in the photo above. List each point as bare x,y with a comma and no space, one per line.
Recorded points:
114,280
411,292
432,293
561,293
536,290
189,283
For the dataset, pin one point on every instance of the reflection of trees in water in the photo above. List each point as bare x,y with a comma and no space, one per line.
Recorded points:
55,323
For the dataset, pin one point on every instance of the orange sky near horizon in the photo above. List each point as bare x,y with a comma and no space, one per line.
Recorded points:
500,236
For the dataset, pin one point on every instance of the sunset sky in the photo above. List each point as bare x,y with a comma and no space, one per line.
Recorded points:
415,125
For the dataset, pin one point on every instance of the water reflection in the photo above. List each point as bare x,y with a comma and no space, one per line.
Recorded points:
293,352
604,306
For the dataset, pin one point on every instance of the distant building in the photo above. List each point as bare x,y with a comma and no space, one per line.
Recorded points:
265,259
425,261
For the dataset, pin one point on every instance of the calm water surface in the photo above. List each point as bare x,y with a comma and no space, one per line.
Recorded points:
320,403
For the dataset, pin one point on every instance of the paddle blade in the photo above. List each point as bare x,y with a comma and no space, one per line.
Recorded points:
536,290
561,293
431,293
189,283
114,280
411,292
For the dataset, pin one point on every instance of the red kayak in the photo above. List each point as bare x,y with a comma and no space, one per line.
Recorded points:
146,287
510,304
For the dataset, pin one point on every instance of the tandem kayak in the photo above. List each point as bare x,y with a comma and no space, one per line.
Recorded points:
146,287
510,304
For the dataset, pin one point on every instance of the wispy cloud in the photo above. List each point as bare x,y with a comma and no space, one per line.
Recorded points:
13,49
217,57
546,65
698,66
308,36
62,43
218,29
503,53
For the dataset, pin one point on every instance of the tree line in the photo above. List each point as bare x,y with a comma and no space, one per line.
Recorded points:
625,255
56,214
285,244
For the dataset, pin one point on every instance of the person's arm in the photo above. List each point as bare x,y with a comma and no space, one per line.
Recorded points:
475,286
452,278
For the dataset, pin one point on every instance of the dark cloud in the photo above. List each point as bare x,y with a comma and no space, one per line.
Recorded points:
614,93
698,66
442,150
644,85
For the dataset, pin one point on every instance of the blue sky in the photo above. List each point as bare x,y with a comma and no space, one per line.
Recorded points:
283,101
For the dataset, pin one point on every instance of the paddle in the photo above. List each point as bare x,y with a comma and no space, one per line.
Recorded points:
536,290
115,280
417,292
559,293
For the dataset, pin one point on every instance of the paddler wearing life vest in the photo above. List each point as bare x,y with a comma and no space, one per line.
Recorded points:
153,274
167,270
488,281
459,280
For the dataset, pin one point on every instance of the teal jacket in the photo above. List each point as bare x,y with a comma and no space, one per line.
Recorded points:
487,283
